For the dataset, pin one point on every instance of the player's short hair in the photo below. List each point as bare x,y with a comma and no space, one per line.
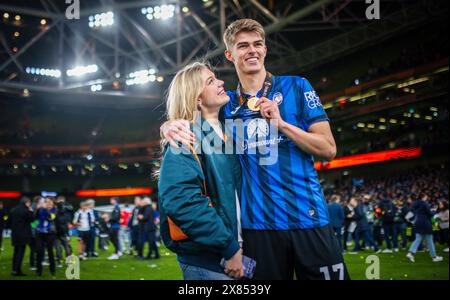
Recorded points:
242,25
147,200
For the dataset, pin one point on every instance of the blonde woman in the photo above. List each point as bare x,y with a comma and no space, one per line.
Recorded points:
198,191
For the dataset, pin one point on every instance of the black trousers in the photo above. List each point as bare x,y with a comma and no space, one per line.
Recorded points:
114,234
150,237
62,242
45,241
443,237
33,253
313,254
19,252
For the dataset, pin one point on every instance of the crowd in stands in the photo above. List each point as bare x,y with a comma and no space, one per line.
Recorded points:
412,135
410,57
45,226
388,214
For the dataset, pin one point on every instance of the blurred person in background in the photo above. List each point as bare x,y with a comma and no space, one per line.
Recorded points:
157,221
147,229
37,202
3,217
362,227
423,228
442,217
349,224
114,222
83,220
400,224
133,225
368,208
21,217
90,248
64,216
46,234
103,228
388,211
336,212
124,232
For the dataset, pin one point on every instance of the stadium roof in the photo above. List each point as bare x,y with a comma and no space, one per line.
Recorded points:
38,37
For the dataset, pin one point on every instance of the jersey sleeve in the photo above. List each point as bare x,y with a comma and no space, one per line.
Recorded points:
312,110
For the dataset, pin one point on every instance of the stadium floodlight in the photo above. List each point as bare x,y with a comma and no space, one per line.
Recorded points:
96,87
43,72
101,20
162,12
82,70
143,77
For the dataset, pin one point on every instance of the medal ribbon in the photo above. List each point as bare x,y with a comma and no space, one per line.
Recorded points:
265,90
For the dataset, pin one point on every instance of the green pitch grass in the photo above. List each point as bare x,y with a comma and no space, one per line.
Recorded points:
393,266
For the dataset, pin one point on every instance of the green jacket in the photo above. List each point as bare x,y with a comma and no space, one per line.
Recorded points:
211,230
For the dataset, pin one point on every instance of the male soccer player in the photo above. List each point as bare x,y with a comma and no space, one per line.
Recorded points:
285,222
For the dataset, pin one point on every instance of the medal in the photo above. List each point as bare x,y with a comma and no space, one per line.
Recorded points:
251,103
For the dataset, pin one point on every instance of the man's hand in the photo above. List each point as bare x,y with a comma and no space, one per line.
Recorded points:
177,131
269,111
234,267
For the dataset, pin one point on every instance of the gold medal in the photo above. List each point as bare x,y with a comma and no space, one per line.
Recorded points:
251,103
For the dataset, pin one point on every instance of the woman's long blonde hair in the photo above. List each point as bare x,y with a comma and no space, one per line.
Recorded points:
182,96
184,91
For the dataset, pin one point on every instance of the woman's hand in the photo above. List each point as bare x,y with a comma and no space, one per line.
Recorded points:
234,267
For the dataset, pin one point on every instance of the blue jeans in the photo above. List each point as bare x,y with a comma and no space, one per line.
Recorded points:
419,237
197,273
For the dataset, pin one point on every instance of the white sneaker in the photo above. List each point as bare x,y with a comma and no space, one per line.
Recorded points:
378,251
119,253
446,249
396,250
410,256
113,257
387,251
44,263
437,259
